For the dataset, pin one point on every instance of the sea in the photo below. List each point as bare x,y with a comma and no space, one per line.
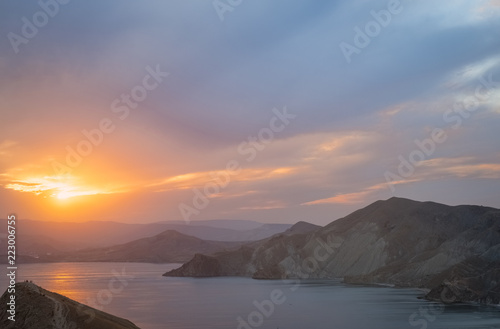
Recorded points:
139,293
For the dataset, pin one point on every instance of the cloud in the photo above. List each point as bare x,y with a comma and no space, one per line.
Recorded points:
60,187
349,198
353,120
5,146
221,178
465,167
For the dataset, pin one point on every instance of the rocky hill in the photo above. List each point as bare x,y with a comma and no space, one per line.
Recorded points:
37,239
167,247
397,241
37,308
235,262
301,228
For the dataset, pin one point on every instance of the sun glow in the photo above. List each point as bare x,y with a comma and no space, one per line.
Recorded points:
60,187
70,194
64,195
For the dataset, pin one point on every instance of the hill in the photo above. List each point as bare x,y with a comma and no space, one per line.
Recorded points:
397,241
37,239
39,308
167,247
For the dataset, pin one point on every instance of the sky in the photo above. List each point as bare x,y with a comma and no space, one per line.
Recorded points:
268,110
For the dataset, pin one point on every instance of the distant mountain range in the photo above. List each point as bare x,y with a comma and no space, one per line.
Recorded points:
454,251
167,247
44,238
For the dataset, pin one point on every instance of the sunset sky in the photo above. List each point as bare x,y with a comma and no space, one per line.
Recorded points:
121,110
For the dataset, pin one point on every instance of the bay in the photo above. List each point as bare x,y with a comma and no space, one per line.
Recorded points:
139,292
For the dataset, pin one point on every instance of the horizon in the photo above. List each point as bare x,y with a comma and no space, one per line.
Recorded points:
146,112
198,222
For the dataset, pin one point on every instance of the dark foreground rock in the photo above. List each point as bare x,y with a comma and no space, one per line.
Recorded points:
456,292
37,308
474,280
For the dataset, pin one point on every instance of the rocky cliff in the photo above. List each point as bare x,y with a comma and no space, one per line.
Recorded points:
397,241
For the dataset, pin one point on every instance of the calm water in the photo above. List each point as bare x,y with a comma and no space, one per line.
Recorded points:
152,301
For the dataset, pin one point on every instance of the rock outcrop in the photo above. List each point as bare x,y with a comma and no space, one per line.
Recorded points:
199,266
37,308
474,280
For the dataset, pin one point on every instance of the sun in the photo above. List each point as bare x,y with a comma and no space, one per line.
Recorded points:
64,195
74,192
58,187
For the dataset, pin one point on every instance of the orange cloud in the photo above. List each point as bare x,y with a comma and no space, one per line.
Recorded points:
266,206
57,186
395,109
4,147
349,198
343,142
198,179
460,168
357,197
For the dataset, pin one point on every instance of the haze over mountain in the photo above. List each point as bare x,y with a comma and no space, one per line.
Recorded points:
397,241
167,247
38,238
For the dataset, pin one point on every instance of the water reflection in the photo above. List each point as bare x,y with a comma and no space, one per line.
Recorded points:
139,293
